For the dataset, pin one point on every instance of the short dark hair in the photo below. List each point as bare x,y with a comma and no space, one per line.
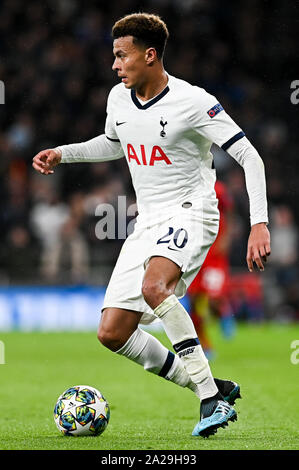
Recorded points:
146,28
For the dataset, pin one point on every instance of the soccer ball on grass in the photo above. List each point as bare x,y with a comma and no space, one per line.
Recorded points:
81,411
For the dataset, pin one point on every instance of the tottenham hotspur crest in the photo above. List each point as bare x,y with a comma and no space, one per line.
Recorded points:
163,124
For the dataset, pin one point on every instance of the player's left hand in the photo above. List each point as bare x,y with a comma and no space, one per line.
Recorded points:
258,246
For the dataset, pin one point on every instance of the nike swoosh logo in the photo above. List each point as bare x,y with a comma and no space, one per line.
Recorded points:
120,123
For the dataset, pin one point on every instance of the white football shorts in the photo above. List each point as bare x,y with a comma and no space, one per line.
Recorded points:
184,238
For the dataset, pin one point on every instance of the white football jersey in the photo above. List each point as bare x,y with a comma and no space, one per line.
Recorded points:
166,142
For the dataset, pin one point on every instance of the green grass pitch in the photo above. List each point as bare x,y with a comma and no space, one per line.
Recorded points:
148,412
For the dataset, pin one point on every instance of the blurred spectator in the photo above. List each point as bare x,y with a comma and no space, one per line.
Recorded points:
20,134
68,248
284,264
284,235
18,255
47,218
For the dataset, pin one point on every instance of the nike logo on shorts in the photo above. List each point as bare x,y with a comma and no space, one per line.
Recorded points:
120,123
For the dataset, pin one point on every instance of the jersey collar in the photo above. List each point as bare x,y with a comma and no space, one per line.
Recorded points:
150,102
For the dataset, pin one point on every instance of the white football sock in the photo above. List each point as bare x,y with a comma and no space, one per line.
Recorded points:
146,350
181,332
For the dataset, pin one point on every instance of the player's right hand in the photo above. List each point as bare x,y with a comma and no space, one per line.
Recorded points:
46,160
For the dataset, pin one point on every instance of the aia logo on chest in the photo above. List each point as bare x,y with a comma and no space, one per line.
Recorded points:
157,155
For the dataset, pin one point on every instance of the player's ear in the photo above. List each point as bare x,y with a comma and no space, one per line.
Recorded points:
150,55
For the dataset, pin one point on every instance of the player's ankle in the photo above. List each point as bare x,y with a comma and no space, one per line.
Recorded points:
215,397
208,405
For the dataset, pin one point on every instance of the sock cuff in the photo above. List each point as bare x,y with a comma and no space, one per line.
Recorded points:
187,343
166,305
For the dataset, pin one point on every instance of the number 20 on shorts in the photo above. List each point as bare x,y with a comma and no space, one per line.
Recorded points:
179,237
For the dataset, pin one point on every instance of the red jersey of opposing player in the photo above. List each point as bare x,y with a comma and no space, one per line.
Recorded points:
214,275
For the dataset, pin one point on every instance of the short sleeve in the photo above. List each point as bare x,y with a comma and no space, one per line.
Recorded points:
209,119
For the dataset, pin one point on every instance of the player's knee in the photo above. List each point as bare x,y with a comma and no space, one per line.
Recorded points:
109,338
154,292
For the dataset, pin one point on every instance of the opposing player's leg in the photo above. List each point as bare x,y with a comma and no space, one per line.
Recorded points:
223,309
160,280
119,332
199,312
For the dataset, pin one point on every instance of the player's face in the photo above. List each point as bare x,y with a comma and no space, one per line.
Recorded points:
130,62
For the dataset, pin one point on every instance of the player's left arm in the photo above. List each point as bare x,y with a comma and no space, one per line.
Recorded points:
209,119
258,248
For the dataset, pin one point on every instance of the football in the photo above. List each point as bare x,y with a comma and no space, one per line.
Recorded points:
81,411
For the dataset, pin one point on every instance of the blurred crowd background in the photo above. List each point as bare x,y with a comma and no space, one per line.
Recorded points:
55,62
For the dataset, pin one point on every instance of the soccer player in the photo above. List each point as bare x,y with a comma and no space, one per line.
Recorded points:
165,127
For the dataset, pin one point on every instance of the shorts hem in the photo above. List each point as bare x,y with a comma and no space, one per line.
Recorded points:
181,264
125,306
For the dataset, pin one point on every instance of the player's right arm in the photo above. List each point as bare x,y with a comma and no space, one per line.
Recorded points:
46,160
99,149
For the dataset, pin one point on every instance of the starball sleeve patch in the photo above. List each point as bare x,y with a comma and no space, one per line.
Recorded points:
215,110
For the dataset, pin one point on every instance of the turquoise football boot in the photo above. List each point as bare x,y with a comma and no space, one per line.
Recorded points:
222,413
